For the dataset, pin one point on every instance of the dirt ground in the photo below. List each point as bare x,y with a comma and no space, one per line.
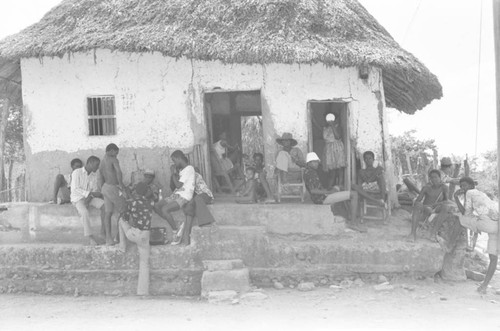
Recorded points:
411,305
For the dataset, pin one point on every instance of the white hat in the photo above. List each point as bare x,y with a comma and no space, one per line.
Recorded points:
149,172
330,117
312,157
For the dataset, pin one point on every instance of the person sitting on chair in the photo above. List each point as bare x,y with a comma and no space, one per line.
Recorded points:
290,158
371,181
428,202
321,196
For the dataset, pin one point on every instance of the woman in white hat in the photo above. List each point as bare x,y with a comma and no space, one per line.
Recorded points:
321,196
334,158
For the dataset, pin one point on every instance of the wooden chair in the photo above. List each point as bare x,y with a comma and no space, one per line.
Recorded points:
372,211
291,180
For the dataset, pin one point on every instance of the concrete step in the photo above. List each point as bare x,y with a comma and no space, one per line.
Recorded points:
180,282
283,219
304,221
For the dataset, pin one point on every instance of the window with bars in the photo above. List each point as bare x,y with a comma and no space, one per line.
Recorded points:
101,115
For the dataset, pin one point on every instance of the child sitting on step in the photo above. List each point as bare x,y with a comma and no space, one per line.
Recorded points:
247,191
135,225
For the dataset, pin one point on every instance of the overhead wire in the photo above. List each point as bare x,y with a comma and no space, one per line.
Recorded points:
478,76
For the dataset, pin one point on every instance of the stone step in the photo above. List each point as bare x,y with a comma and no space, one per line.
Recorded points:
223,280
180,282
304,221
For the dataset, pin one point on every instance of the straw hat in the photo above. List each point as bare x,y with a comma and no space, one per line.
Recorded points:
149,172
287,136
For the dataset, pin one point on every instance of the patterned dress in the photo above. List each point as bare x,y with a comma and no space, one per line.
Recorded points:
333,154
139,213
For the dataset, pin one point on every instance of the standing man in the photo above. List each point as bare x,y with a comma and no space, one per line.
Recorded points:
480,214
112,189
84,194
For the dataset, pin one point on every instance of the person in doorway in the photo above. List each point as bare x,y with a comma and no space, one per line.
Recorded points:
62,184
85,194
429,201
222,149
184,182
479,214
112,189
135,225
321,196
290,159
371,181
263,188
246,193
334,157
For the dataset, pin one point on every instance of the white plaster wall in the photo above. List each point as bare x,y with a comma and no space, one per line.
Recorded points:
159,98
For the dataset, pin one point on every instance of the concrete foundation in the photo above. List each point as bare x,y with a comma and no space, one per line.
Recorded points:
50,259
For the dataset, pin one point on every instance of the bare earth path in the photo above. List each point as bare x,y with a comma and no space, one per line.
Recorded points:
426,306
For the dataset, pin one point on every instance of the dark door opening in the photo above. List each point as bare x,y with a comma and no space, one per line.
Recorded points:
330,141
235,132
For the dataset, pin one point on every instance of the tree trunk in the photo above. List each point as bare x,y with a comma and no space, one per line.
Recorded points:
3,126
9,180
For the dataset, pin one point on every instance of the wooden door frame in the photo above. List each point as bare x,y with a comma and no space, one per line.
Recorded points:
207,110
350,171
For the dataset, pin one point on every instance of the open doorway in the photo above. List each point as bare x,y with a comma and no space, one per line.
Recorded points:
329,139
235,133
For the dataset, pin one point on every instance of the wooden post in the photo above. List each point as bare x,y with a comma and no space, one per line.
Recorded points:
496,31
3,127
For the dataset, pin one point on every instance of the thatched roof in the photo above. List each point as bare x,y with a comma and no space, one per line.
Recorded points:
333,32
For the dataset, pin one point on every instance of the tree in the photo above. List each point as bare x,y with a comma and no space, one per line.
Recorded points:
413,156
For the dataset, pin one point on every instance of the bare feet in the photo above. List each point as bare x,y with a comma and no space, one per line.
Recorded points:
91,241
357,226
411,238
482,289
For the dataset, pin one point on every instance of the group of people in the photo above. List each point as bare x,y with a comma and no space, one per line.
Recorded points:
475,211
99,184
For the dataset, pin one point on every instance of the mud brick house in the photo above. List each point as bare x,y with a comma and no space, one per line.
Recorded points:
153,76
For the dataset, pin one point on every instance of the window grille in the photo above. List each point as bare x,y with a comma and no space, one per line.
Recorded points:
101,115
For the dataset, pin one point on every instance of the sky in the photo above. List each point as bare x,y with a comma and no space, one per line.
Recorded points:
444,34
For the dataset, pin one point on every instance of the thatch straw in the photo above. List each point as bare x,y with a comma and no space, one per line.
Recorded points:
333,32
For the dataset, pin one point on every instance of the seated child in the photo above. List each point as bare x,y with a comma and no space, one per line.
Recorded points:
135,225
263,189
246,192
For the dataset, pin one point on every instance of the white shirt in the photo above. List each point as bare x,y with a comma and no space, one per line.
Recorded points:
82,184
187,178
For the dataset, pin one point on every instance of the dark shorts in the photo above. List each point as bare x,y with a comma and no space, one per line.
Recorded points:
113,201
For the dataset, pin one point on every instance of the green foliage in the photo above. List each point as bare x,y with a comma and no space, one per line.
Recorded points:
484,171
420,152
14,148
252,137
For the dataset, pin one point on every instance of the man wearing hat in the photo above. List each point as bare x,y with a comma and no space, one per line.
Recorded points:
290,158
321,196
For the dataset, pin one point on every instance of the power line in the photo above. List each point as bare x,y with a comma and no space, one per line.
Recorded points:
412,20
478,75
